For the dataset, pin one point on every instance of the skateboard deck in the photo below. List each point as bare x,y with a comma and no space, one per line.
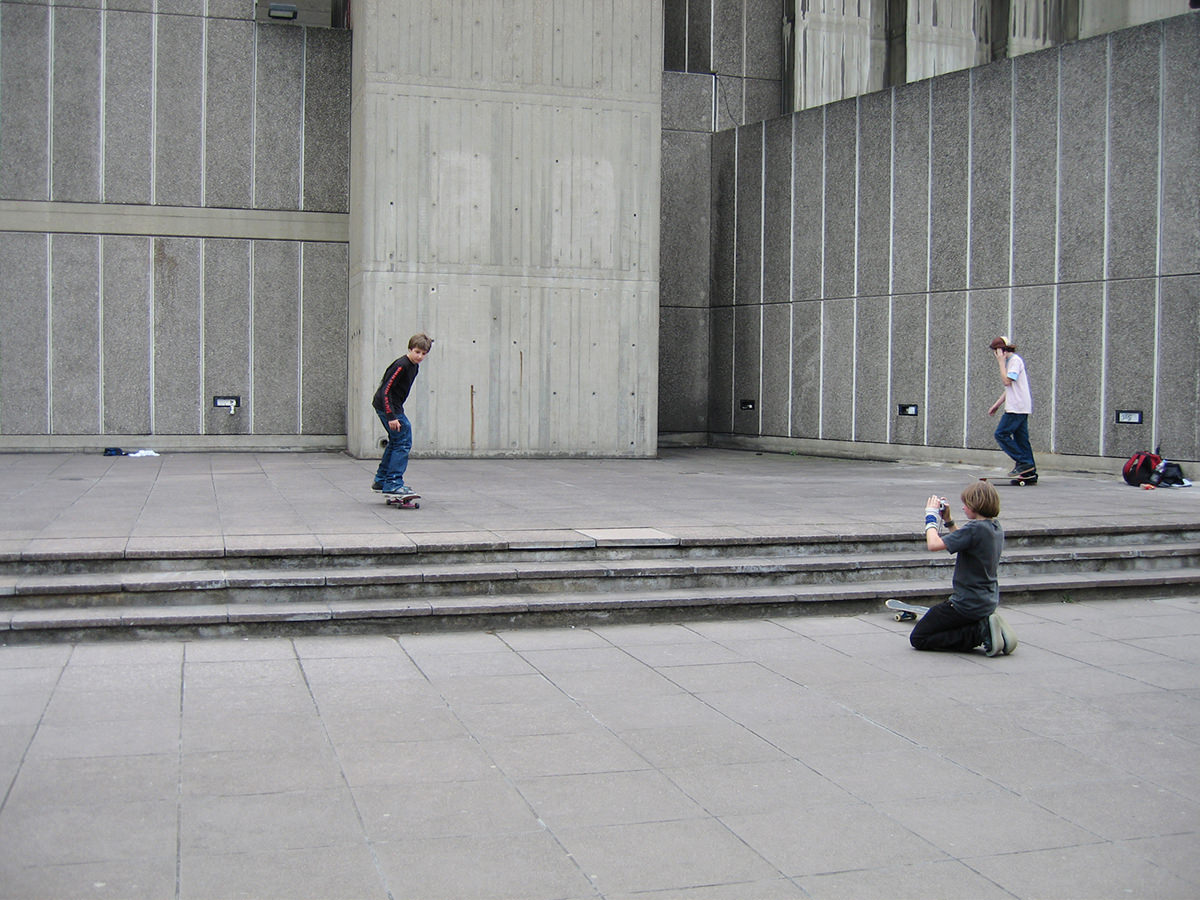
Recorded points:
404,501
905,612
1017,481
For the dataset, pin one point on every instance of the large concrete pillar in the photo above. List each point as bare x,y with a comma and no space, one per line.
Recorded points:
840,51
946,36
505,199
1104,16
1037,24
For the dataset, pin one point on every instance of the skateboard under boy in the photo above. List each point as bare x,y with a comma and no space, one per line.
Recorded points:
1026,478
905,612
404,501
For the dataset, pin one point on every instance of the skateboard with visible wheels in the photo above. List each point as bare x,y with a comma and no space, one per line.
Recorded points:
404,501
1026,478
905,612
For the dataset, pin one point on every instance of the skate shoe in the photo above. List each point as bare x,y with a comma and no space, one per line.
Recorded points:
993,644
1008,637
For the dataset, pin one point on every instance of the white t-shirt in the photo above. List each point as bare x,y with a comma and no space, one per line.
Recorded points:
1017,397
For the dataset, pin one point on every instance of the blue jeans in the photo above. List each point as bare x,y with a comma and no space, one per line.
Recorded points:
1012,434
390,474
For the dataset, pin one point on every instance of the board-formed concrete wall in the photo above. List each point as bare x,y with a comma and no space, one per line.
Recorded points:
173,225
505,200
864,253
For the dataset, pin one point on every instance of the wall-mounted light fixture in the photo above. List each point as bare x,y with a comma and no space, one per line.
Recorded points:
229,403
282,11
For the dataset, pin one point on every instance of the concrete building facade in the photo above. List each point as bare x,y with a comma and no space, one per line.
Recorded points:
623,223
173,226
856,258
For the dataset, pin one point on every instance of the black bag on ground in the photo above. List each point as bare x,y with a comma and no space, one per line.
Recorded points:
1168,474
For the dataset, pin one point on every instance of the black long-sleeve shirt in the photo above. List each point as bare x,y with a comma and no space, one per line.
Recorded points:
394,387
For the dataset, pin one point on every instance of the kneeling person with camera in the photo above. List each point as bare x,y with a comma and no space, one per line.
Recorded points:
968,619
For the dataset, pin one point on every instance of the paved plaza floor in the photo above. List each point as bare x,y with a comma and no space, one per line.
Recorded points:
712,760
791,757
211,503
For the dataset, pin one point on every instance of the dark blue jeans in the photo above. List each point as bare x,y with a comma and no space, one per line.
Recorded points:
1012,434
945,628
392,466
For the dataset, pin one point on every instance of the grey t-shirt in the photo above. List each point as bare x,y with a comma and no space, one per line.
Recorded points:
977,544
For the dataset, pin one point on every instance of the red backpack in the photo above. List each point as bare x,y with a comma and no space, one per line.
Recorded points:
1140,467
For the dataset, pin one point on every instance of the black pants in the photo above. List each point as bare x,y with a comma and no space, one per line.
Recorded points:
945,628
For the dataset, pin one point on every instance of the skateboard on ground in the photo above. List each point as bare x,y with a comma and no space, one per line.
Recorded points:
905,612
404,501
1027,478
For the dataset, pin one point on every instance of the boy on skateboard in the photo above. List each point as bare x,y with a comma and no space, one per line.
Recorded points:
1012,432
968,619
389,404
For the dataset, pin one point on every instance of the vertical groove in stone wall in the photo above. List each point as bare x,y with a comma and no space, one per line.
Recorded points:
1049,197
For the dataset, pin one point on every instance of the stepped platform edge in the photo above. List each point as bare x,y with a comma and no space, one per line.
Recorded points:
249,519
639,539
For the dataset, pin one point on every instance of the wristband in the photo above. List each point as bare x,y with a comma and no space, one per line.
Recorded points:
931,519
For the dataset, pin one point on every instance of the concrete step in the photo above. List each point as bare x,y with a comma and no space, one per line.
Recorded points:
434,582
337,616
436,550
456,584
